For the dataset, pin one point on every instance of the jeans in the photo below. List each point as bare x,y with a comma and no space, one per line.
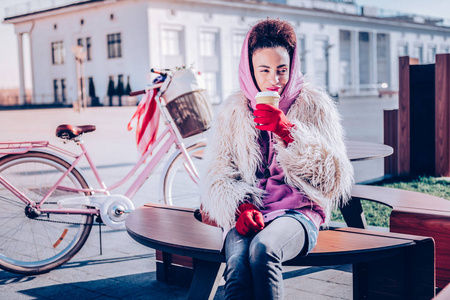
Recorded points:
253,268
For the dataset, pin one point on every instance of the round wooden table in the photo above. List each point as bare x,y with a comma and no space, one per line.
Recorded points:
358,151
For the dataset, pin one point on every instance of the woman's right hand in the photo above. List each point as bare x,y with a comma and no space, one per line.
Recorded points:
250,219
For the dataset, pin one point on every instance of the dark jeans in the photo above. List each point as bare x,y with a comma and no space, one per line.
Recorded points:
254,262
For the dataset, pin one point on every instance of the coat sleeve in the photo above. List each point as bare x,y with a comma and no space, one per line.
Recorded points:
316,161
223,186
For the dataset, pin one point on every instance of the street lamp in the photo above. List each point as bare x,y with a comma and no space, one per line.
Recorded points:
80,55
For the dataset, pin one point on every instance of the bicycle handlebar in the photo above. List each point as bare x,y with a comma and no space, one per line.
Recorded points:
162,72
151,87
137,93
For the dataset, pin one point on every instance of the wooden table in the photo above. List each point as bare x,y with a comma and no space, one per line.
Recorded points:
385,265
359,151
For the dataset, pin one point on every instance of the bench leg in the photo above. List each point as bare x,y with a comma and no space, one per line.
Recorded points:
353,214
206,280
409,274
422,270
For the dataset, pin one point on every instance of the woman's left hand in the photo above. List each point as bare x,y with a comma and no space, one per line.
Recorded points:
272,119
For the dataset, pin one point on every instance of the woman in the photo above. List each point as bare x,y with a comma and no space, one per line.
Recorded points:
274,174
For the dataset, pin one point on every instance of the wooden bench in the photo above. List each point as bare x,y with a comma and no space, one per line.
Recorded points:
412,213
385,265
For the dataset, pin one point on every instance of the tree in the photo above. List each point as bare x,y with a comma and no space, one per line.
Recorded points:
120,90
94,98
128,88
111,90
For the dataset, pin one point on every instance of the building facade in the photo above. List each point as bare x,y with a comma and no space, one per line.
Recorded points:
349,51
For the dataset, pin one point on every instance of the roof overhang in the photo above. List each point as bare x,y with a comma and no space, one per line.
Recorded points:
248,5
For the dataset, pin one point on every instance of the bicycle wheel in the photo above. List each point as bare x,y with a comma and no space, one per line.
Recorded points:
178,187
31,243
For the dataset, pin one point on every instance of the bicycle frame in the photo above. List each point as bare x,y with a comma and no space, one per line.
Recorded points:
173,137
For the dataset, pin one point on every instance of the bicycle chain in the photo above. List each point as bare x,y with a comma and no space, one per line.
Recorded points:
60,222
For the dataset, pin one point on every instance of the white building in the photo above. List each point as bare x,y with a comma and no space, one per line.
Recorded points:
351,52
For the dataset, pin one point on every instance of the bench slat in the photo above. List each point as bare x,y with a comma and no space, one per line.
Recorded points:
397,198
335,242
410,237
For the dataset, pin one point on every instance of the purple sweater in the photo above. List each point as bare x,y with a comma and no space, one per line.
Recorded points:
281,196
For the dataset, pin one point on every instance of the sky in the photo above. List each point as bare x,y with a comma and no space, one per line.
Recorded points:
9,61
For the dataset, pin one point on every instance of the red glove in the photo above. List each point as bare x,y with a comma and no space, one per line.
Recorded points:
250,219
273,119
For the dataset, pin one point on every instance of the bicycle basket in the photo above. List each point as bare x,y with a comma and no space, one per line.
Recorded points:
191,113
187,102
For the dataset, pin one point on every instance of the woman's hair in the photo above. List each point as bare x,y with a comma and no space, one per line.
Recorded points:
272,33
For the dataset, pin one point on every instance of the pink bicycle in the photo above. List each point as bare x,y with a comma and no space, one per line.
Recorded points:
47,207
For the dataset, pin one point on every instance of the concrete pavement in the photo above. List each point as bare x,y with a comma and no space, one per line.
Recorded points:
126,270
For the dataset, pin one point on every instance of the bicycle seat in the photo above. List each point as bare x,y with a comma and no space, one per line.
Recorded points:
68,132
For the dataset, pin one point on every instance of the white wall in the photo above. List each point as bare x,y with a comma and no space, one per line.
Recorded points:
140,23
129,19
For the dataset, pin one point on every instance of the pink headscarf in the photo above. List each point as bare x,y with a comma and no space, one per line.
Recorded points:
291,90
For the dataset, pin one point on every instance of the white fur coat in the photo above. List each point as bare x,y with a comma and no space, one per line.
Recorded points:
315,163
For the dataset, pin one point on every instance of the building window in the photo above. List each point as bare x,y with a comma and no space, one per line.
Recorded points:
301,47
114,45
58,53
210,79
210,62
418,53
88,48
321,60
237,42
383,61
172,47
55,90
345,58
57,95
403,49
364,58
63,90
445,49
171,42
431,54
208,44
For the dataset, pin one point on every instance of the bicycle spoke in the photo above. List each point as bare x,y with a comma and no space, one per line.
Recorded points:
32,244
179,188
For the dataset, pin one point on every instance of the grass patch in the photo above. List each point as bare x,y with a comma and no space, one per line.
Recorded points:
378,214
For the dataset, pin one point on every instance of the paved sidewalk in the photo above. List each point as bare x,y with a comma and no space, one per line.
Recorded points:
126,270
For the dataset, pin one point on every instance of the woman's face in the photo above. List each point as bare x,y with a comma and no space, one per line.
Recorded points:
271,68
